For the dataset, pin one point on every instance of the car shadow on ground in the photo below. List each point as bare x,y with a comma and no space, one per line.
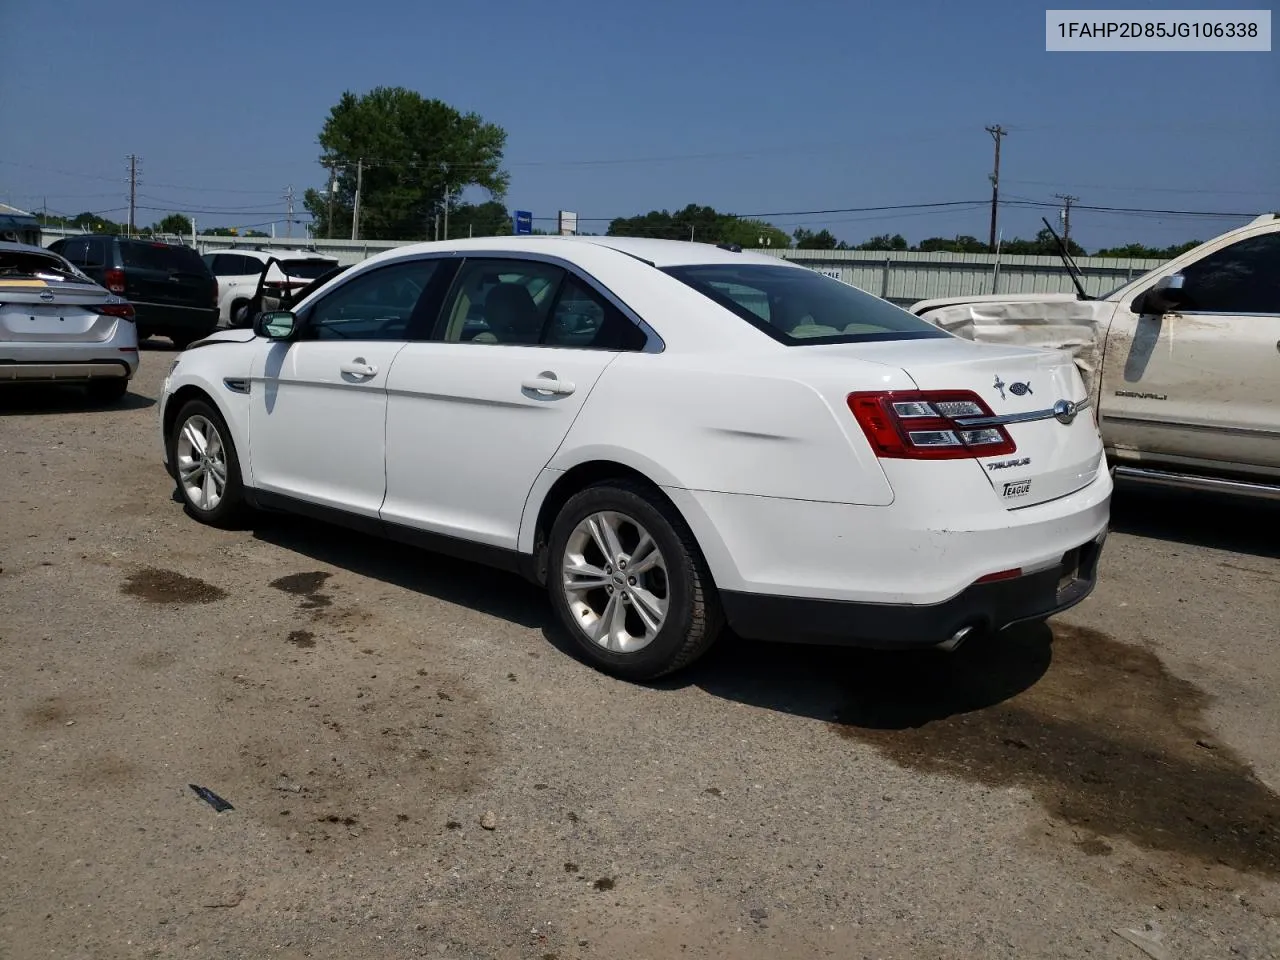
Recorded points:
1218,522
494,592
873,689
29,400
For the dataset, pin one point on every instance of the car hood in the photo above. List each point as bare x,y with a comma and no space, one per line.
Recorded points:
241,335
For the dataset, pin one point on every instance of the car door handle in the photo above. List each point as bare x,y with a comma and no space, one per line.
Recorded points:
549,385
358,368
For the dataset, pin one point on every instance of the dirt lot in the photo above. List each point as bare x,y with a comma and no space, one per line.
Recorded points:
363,707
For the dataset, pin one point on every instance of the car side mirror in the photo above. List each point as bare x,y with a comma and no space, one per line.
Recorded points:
275,325
1165,296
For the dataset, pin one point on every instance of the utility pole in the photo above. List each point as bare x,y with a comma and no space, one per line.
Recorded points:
333,187
1067,201
997,133
355,211
446,214
288,199
133,189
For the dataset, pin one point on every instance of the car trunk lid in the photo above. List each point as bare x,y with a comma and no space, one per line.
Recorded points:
1035,396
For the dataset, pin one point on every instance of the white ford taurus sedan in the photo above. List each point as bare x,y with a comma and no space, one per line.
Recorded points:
671,437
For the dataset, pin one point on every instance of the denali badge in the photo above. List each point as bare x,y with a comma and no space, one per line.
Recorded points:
1020,389
999,385
1006,464
1019,488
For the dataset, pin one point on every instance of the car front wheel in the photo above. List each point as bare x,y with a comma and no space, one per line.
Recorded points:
205,465
629,583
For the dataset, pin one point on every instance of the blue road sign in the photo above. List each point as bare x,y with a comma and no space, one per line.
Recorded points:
524,221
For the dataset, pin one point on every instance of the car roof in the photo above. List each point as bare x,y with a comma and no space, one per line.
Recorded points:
659,253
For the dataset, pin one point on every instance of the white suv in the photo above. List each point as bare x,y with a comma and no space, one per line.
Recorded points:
239,273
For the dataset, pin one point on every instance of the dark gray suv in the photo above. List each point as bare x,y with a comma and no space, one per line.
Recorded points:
171,289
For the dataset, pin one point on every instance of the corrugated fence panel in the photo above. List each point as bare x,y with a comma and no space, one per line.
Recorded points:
902,277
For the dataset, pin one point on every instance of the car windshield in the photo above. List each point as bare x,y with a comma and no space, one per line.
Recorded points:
797,306
33,265
161,256
307,269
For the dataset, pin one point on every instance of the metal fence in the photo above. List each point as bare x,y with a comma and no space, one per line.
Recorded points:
901,277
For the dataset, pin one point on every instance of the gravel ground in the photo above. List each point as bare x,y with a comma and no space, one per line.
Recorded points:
419,767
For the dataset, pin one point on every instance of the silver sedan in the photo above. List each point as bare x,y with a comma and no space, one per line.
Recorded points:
58,326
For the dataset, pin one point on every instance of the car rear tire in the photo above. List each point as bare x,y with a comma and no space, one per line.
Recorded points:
107,391
204,464
181,340
628,582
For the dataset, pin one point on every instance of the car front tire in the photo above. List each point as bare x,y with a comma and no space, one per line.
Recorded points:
628,582
203,461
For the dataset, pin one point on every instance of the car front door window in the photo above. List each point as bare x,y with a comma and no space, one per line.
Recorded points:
1240,279
377,305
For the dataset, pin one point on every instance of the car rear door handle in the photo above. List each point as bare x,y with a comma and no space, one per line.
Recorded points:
549,384
358,368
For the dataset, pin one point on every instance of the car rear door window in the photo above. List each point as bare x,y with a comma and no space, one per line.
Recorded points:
501,301
1241,278
96,252
76,250
381,304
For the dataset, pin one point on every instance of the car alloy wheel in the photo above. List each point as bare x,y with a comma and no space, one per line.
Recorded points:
615,581
202,463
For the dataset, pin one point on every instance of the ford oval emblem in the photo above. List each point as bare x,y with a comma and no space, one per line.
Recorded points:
1020,389
1064,411
46,296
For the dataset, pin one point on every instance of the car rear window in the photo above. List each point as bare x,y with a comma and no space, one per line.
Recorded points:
33,265
161,256
797,306
307,269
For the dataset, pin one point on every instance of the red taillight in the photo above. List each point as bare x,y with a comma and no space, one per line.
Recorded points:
1001,575
115,280
215,293
122,310
928,425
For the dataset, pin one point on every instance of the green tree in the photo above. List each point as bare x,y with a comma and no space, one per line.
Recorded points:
698,223
884,242
174,223
414,152
488,219
1043,245
1138,250
957,244
822,240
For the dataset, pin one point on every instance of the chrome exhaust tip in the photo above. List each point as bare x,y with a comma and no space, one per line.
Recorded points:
954,641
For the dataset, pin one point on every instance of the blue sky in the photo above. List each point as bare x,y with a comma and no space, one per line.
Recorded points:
748,106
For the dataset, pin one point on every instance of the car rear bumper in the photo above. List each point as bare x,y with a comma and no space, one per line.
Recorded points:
172,316
980,608
71,370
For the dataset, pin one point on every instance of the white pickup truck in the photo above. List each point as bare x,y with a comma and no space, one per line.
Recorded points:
1183,363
